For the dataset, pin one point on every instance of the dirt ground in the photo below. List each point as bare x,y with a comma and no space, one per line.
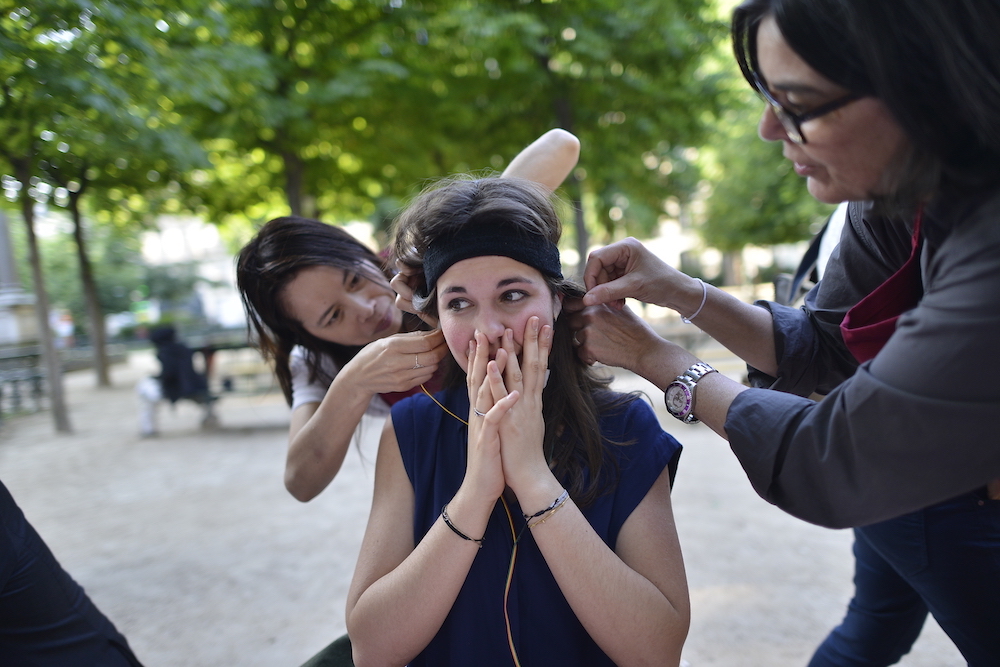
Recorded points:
191,545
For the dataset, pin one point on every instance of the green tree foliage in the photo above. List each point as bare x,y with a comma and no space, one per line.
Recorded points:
245,109
102,129
121,275
117,260
343,108
625,78
36,85
290,129
487,77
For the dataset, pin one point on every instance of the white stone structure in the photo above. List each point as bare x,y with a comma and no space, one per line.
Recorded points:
18,324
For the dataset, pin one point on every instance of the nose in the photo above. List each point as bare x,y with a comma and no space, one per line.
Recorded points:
770,128
362,306
491,325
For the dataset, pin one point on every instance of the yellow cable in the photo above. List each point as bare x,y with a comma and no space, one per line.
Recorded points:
442,407
510,579
513,553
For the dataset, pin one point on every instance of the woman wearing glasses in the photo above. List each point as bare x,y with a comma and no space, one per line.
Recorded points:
896,108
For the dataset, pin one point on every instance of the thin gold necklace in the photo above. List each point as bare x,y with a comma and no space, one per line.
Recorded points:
442,407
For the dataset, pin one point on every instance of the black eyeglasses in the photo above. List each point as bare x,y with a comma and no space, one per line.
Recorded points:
792,122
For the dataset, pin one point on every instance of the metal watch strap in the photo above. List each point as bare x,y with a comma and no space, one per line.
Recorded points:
697,371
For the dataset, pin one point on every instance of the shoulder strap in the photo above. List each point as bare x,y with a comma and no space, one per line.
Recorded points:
806,264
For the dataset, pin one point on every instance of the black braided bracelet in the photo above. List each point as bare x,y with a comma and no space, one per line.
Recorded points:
447,522
555,503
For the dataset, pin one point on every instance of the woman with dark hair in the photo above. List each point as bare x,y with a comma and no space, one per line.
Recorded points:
322,311
896,108
519,515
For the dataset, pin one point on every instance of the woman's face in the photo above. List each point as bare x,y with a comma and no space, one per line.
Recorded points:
491,294
848,151
343,307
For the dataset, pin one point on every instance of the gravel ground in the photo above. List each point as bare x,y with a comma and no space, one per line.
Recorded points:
190,544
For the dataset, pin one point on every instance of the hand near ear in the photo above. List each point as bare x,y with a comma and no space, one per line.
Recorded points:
405,283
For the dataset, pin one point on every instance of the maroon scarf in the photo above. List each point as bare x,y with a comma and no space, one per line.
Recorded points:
869,324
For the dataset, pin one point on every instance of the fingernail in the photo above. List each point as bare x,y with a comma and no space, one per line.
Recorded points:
534,324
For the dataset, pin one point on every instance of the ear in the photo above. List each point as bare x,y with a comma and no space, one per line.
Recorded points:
557,305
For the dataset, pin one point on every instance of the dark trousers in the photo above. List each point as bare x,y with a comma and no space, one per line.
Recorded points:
337,654
46,619
944,559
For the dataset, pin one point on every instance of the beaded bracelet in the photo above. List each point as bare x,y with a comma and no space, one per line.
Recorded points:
447,522
555,503
552,510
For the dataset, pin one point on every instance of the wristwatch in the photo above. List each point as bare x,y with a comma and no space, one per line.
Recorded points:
679,394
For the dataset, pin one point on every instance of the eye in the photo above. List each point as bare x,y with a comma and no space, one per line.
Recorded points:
513,296
787,103
797,109
354,281
334,316
458,304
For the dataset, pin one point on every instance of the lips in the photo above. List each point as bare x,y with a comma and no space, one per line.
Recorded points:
384,323
803,169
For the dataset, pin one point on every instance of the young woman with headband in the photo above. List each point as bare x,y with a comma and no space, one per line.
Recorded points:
522,515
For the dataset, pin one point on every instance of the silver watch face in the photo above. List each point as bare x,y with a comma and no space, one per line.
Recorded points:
678,399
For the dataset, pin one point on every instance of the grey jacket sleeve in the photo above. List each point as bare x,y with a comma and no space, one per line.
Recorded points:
916,425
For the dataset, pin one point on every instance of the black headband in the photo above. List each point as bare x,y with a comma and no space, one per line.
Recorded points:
488,240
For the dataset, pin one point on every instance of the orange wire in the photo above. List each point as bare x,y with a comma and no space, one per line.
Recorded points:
442,407
510,578
513,553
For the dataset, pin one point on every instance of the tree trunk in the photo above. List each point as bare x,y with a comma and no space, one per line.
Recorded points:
732,268
564,115
98,337
53,371
582,235
294,171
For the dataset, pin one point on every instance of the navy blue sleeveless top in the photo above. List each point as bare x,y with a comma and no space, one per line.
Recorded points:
545,630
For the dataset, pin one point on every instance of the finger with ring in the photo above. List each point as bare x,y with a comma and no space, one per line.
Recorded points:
416,362
478,413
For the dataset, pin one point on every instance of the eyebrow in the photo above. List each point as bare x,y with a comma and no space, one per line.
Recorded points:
797,89
502,283
793,87
515,279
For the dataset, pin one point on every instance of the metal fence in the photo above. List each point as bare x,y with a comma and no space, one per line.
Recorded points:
22,381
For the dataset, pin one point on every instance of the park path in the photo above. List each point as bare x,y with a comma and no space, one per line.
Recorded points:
191,545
